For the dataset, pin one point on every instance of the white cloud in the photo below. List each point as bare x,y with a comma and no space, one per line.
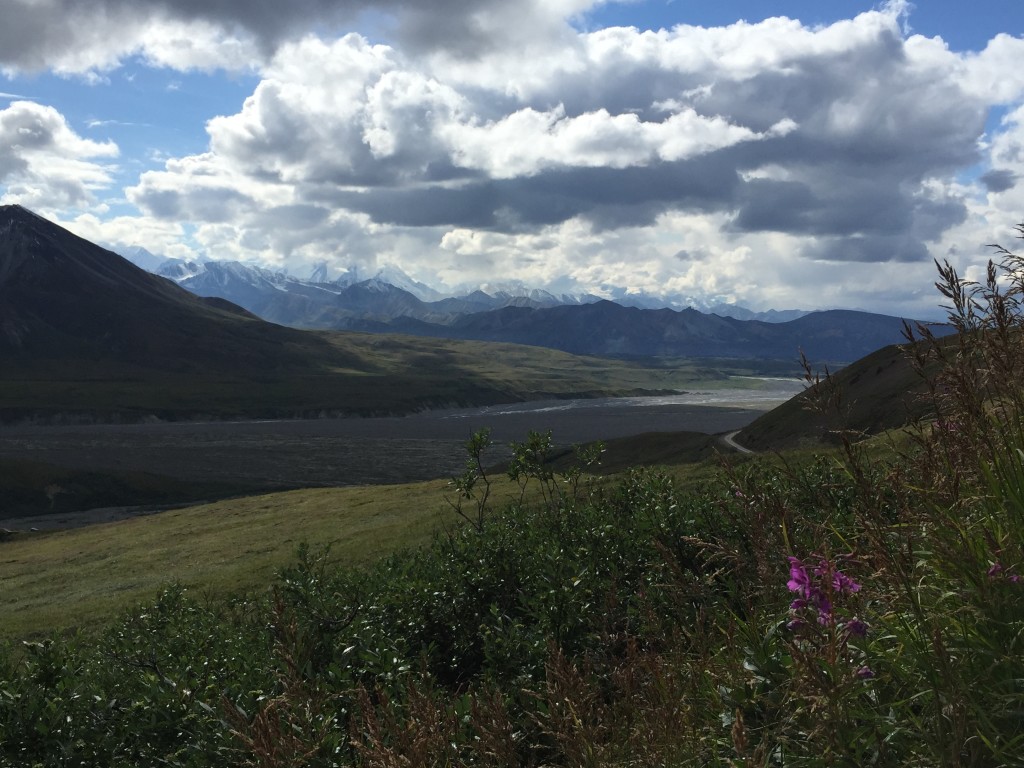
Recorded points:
163,238
44,164
87,39
527,141
197,45
74,37
403,112
995,74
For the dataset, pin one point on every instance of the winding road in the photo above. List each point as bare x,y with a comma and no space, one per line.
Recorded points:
730,440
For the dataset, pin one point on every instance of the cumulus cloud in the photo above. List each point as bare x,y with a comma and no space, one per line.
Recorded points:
528,142
70,36
994,74
44,163
1003,205
826,132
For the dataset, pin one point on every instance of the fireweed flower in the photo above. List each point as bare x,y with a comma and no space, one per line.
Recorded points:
799,578
997,571
814,587
841,583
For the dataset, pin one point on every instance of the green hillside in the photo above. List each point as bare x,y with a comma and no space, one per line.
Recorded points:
369,375
876,393
87,576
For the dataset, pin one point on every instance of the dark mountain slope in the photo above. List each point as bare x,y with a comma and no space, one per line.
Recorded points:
84,334
63,298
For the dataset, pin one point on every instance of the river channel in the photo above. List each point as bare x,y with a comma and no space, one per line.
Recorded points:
265,455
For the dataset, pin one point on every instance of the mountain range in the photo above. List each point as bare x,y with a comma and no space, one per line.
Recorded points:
392,302
342,303
60,292
243,282
87,336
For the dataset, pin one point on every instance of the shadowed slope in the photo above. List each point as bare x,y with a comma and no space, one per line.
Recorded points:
878,392
64,299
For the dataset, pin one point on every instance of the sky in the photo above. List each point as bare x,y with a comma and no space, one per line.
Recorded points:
789,154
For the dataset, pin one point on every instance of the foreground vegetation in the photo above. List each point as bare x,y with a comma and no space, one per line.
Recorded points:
860,610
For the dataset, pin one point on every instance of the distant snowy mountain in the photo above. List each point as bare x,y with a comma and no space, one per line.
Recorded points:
679,302
643,301
742,313
352,300
178,269
398,278
140,257
511,291
320,273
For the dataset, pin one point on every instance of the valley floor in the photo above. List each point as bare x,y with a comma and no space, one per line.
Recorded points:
260,456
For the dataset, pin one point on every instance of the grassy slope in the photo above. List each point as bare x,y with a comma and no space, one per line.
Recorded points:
33,487
879,392
85,576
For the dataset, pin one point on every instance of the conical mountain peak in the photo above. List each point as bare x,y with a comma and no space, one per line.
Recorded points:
64,298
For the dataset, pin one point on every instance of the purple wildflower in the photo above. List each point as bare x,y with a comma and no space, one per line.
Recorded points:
799,578
996,570
841,583
801,582
824,608
856,628
865,673
814,586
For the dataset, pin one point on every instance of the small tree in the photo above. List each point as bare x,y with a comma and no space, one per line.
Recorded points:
473,484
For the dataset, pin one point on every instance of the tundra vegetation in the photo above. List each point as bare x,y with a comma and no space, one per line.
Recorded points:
862,607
